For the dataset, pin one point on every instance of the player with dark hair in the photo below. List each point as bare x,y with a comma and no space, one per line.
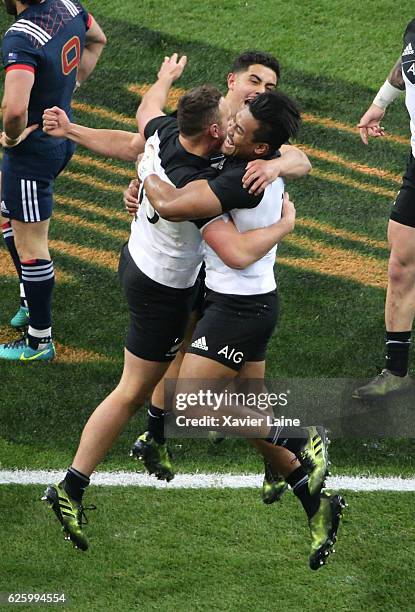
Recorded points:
158,269
251,74
241,304
243,62
51,48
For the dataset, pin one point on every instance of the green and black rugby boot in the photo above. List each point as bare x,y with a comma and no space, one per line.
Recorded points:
384,384
273,486
324,525
69,513
155,456
314,458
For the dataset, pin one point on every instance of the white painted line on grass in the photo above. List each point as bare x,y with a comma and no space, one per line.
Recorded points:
203,481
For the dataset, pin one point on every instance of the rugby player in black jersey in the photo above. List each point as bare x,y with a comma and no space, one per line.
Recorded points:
241,304
400,297
152,340
251,74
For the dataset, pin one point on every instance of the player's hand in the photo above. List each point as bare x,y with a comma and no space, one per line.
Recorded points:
288,212
56,122
260,173
369,124
131,197
22,136
172,67
146,165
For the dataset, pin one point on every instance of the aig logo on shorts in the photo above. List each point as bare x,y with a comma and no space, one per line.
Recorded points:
231,354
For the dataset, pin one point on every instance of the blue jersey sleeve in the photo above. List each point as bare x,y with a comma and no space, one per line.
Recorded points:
19,53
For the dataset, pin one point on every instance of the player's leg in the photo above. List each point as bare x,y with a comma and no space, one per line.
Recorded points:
157,408
323,510
282,468
400,299
21,317
151,344
151,446
138,380
273,484
233,332
30,202
38,280
110,417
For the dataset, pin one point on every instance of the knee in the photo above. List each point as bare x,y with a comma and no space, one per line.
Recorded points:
131,397
401,270
29,244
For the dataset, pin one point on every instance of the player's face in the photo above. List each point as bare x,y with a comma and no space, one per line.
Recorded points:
224,114
239,141
218,130
249,84
10,7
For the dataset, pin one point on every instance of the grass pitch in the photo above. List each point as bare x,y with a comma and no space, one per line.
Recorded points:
209,550
197,550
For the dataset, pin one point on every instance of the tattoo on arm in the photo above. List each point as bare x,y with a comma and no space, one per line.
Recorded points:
395,77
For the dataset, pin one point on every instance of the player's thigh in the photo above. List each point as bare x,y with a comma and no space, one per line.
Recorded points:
140,377
253,370
158,314
204,368
31,239
159,395
235,330
27,187
401,228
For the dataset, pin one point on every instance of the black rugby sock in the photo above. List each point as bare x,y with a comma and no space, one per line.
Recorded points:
156,423
39,280
75,484
298,481
397,352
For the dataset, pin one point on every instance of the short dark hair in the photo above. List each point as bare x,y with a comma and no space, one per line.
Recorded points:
197,109
30,2
248,58
279,118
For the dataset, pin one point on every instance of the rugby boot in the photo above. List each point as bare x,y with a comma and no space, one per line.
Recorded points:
20,350
155,456
273,486
21,318
384,384
324,525
313,457
69,513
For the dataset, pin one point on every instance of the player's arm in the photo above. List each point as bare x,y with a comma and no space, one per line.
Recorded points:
199,199
17,87
369,124
240,250
95,41
194,201
109,143
155,99
292,164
